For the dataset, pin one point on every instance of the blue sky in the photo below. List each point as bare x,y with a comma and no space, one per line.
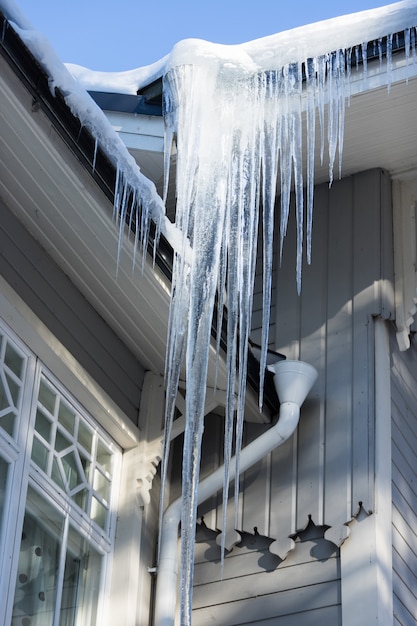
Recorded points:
124,34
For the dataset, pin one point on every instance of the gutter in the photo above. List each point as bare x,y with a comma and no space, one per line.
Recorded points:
293,381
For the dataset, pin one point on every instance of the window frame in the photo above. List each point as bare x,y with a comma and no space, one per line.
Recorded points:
23,473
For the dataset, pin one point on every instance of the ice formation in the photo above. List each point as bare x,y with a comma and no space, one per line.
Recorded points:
240,120
242,117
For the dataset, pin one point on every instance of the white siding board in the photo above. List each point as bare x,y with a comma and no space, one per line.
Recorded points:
367,212
402,616
324,616
268,606
404,478
403,516
406,573
329,325
337,504
326,468
310,459
404,490
284,468
265,583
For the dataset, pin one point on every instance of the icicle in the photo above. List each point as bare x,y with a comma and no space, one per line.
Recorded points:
4,29
95,154
270,161
234,129
285,155
296,149
364,50
311,142
321,85
407,52
341,87
413,45
333,114
389,62
348,75
380,52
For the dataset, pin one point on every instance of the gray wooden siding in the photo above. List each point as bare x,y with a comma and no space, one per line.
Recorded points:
324,471
256,588
56,301
404,481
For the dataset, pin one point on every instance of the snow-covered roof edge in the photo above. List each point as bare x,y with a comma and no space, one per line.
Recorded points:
271,52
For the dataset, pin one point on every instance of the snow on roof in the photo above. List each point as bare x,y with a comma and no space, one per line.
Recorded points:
270,53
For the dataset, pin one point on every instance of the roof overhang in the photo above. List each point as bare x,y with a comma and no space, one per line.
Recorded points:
49,182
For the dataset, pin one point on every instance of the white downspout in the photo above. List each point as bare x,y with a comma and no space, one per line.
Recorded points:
293,379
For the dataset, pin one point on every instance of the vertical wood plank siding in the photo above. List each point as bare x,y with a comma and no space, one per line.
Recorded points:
327,468
404,481
61,307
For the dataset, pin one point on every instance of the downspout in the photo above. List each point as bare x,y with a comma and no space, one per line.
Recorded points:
293,381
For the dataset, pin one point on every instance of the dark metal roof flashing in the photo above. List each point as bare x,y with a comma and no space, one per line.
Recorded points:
126,103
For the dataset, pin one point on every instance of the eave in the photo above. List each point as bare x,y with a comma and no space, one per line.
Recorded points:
63,193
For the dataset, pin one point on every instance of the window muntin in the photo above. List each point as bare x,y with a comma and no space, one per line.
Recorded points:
59,571
58,472
12,376
73,453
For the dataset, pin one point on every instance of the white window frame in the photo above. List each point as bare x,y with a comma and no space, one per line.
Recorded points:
45,354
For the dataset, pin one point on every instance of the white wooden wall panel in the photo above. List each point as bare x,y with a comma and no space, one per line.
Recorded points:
404,481
228,597
57,302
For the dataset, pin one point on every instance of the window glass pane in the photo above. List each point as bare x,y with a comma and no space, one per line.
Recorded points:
46,396
7,421
61,442
57,474
12,375
72,470
73,453
98,513
43,425
85,436
38,569
14,389
104,456
13,360
9,398
40,454
81,499
81,582
66,417
4,466
101,485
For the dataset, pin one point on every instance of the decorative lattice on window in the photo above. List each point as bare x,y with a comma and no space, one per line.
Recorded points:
68,449
12,375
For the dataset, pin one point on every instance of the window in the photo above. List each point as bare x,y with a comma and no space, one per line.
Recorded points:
58,476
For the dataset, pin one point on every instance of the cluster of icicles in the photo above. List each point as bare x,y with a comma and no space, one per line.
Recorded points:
239,137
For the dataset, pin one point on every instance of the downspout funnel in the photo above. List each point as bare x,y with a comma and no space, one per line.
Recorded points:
293,380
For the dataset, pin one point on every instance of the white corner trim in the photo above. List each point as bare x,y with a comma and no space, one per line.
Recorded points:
404,194
71,374
366,556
